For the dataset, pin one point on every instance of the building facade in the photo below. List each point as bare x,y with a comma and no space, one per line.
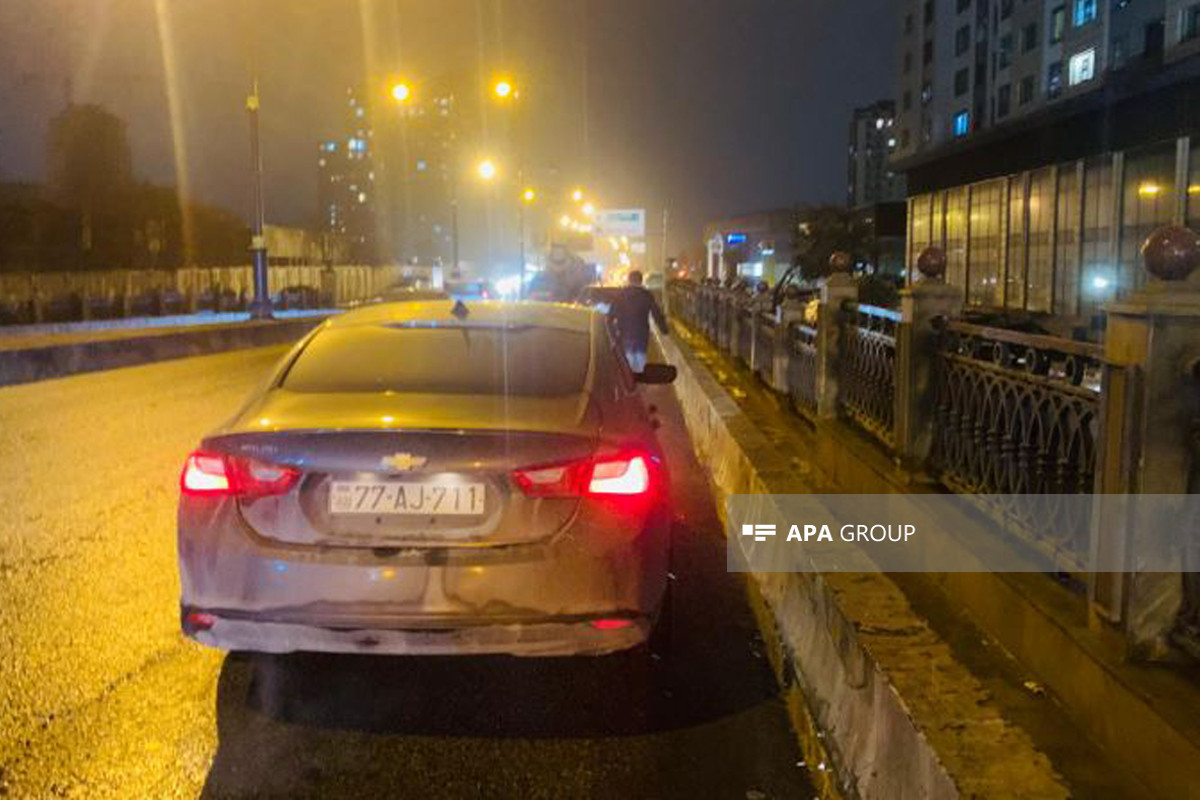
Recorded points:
1043,140
870,179
427,142
755,247
346,187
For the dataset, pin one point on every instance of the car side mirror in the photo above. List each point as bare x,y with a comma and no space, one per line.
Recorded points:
657,374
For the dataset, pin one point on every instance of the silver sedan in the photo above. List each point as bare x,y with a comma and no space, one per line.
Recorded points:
433,478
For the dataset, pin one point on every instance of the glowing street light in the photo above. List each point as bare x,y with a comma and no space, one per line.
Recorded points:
589,209
529,195
401,92
487,170
503,89
565,220
577,195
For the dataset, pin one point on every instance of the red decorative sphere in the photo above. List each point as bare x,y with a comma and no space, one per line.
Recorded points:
932,263
1171,253
840,261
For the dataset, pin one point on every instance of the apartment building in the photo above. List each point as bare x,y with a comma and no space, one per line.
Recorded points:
870,178
1042,140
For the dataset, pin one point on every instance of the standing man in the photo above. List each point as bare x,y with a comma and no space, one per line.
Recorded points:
631,311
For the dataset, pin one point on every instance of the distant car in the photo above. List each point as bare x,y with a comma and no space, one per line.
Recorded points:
416,480
469,290
599,297
410,294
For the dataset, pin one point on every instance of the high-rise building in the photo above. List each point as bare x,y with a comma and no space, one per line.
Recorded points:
331,186
870,179
346,192
429,132
1041,142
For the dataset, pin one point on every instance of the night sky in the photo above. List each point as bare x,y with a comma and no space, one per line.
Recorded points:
714,107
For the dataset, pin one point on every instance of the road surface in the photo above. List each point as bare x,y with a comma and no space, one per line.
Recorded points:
100,696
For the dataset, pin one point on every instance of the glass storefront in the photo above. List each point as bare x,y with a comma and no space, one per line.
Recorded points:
1063,239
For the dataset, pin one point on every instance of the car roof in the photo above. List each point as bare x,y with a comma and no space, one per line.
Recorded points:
482,312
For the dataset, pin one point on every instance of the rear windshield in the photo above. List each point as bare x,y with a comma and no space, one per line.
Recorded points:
525,362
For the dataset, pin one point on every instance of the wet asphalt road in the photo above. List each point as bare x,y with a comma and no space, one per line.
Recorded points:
101,697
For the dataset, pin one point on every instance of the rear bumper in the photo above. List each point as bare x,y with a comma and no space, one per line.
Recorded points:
540,637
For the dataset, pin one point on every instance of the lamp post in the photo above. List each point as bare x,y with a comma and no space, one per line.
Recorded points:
528,198
260,307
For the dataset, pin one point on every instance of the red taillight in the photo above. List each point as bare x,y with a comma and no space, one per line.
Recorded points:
627,474
210,474
611,624
205,473
197,621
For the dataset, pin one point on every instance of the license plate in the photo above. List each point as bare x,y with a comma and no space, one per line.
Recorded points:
393,497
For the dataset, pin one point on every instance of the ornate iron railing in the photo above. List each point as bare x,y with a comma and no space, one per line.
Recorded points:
745,332
764,346
802,368
1017,424
867,375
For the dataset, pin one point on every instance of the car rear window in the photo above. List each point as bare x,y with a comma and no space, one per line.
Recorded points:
525,362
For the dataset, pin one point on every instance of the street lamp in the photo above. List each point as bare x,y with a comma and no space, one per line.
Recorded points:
529,196
589,209
503,89
401,92
577,195
486,170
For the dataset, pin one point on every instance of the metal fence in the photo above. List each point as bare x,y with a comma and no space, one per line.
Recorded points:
801,371
32,297
1016,414
1015,422
1016,427
867,362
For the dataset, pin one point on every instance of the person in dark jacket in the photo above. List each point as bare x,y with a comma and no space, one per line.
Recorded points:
631,312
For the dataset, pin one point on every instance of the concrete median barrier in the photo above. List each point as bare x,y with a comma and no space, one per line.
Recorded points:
26,360
876,692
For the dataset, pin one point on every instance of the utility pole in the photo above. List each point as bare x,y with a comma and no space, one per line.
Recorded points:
260,307
454,230
521,287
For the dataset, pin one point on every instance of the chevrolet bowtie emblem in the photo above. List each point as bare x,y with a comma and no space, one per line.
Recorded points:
404,462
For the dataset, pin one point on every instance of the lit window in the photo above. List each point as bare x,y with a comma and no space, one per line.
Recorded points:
1058,23
1189,22
1082,67
1054,77
358,145
362,197
962,123
1085,12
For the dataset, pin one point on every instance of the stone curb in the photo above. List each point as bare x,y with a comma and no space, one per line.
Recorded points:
847,640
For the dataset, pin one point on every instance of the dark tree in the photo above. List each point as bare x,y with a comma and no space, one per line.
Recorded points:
90,173
822,231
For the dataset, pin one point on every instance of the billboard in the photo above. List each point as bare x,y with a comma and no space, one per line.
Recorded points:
621,222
